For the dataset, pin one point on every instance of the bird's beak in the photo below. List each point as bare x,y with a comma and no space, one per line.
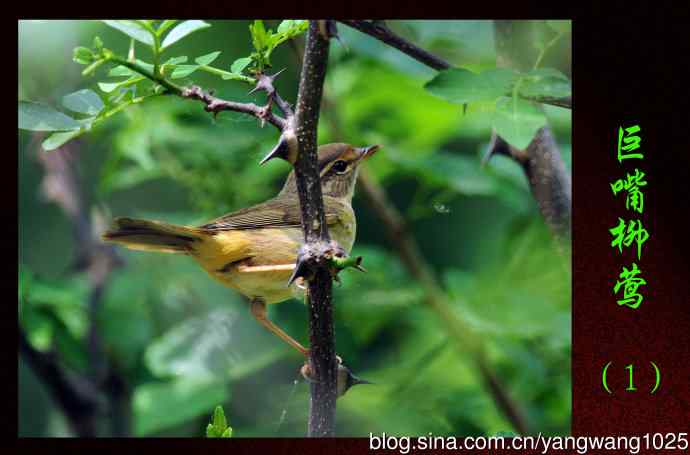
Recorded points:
366,152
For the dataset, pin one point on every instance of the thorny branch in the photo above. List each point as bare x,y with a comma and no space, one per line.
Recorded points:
318,246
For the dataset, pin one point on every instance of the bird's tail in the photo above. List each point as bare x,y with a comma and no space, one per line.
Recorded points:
153,236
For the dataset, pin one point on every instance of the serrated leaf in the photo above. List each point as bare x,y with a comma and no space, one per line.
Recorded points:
208,58
240,64
517,120
132,29
182,30
561,26
84,101
181,71
461,86
56,140
40,117
227,433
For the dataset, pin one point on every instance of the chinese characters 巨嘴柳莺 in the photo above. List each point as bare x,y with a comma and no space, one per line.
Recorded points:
628,141
634,199
630,282
625,236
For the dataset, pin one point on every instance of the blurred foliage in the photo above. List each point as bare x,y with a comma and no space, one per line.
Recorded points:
185,344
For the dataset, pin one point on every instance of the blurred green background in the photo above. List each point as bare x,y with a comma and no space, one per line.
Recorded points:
184,344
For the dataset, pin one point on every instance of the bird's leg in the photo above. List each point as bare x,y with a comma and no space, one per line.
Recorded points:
258,307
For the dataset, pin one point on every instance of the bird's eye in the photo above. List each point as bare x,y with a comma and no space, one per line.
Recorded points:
340,166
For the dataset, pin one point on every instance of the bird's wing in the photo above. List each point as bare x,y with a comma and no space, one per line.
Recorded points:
277,212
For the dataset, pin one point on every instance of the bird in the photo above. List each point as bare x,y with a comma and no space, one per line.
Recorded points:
254,250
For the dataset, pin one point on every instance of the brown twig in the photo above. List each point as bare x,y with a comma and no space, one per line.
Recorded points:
216,105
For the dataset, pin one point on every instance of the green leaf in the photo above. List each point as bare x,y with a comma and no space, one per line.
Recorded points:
165,25
40,117
561,26
56,140
163,405
517,120
183,71
219,420
461,86
240,64
208,58
545,82
82,55
97,43
182,30
120,71
285,25
84,101
109,87
176,60
541,73
133,29
218,428
260,38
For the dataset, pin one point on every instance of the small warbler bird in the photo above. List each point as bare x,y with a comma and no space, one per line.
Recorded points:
254,250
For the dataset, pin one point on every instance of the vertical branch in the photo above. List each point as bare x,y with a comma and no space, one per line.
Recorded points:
317,241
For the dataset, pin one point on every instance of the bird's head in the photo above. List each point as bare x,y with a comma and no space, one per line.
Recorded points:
338,169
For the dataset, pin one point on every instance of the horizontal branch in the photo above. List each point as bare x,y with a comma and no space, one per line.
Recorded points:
216,105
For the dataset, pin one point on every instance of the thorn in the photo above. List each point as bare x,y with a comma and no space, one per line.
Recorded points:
279,151
275,76
300,270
